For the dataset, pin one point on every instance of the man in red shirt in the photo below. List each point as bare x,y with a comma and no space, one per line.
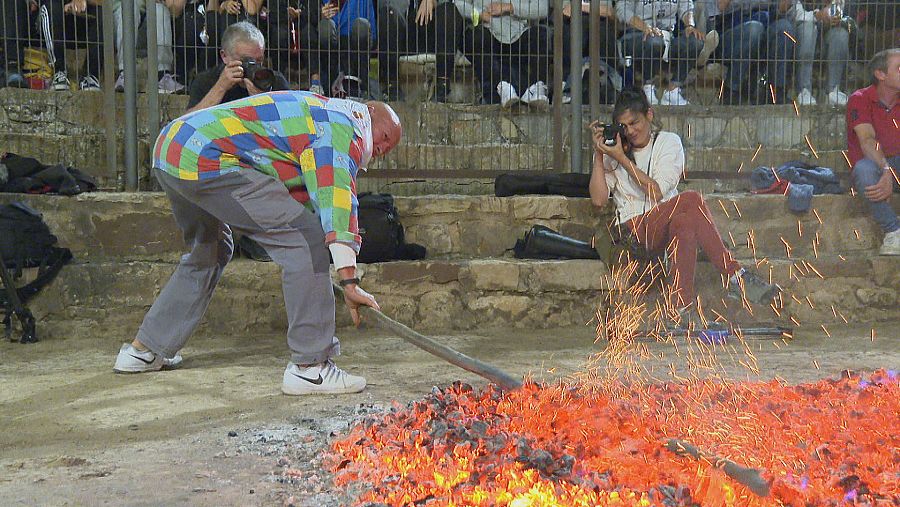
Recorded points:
873,139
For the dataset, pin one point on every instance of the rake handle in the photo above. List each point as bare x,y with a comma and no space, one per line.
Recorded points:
749,477
444,352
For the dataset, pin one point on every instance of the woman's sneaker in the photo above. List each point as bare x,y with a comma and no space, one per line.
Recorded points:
322,378
536,96
132,360
754,288
90,84
60,82
508,95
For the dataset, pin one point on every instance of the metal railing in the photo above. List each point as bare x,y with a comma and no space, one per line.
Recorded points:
528,64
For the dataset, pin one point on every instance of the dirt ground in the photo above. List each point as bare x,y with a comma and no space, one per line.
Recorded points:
218,432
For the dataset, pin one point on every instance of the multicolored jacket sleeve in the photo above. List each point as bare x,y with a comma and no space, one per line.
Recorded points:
329,166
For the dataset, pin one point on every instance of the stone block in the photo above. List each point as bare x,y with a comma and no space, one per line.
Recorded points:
494,275
879,297
437,238
508,308
705,132
571,275
529,208
778,131
485,237
440,310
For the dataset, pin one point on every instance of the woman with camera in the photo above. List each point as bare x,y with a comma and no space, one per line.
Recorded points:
640,167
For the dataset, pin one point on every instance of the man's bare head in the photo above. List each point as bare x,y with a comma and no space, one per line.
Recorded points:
386,128
885,67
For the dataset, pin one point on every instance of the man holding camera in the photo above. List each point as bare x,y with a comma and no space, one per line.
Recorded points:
242,53
280,167
873,142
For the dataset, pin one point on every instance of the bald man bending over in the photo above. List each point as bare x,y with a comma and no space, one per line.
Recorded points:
281,168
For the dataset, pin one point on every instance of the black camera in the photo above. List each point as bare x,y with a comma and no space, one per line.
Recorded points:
261,77
609,133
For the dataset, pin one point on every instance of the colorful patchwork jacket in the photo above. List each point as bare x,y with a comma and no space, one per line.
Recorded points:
289,135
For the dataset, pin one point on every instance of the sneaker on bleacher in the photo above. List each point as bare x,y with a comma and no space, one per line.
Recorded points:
891,244
650,92
120,82
508,95
674,97
805,98
89,83
60,82
168,84
536,95
837,98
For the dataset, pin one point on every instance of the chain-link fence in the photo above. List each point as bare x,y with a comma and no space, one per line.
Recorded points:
483,87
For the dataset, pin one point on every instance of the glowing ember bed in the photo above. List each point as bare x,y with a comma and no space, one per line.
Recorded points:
833,442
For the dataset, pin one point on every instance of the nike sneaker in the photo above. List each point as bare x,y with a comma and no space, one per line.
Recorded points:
322,378
132,360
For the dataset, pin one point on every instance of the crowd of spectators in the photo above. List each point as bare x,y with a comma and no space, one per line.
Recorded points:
767,48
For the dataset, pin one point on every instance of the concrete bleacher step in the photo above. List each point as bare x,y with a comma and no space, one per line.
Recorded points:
126,246
139,226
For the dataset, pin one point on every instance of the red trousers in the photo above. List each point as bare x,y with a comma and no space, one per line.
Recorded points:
679,226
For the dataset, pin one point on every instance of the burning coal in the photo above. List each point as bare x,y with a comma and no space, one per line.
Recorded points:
833,442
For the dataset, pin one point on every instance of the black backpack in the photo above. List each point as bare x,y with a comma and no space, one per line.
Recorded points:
26,242
567,184
381,231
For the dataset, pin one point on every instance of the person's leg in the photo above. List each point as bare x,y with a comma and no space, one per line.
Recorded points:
866,173
837,45
392,38
52,28
165,39
684,53
739,45
360,47
646,54
183,301
535,51
445,35
681,224
13,33
781,49
329,47
90,33
261,207
807,36
480,49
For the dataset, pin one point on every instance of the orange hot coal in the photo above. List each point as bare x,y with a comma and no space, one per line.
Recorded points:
833,442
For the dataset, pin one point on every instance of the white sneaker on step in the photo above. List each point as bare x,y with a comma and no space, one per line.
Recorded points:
673,98
891,243
322,378
536,96
650,92
710,43
805,98
132,360
837,98
508,95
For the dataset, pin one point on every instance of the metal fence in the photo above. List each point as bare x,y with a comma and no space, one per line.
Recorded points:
531,60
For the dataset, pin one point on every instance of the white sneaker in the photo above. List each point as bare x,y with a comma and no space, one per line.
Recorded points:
168,84
710,43
60,82
322,378
508,95
650,92
536,96
120,82
805,98
837,98
131,360
674,98
891,244
89,83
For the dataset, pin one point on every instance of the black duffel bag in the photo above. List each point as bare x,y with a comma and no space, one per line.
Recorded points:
567,184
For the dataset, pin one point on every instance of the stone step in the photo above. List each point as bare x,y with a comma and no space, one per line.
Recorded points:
139,226
112,297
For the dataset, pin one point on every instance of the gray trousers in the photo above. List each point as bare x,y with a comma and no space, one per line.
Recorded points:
837,50
260,207
164,36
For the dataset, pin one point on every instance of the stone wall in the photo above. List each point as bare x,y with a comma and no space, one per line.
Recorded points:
69,127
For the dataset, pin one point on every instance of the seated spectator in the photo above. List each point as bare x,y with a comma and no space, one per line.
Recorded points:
226,82
220,14
641,172
165,11
68,25
606,36
411,27
873,114
755,33
650,39
342,34
510,51
14,34
808,24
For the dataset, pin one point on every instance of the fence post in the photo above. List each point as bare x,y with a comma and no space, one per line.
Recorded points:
575,52
558,155
152,90
109,93
594,53
128,31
